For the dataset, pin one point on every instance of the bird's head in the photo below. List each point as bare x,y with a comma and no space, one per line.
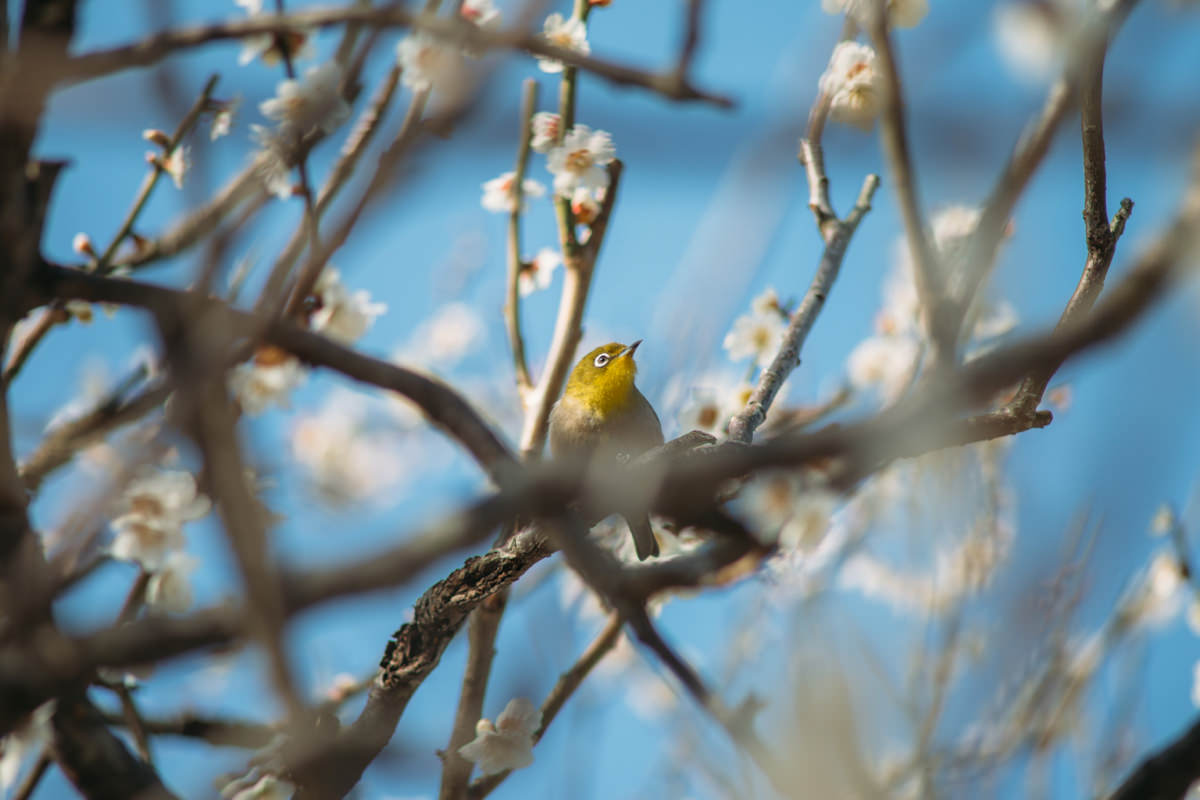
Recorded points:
603,379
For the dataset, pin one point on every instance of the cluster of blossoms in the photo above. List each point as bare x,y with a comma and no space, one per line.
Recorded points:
150,534
852,81
271,376
298,108
577,158
507,744
888,361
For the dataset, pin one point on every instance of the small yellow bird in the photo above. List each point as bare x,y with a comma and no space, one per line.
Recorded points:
602,415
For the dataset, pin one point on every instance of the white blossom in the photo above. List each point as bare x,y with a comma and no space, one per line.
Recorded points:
886,364
539,272
498,193
792,510
340,314
584,206
267,46
177,164
758,334
710,400
156,506
314,103
273,162
482,13
222,120
567,33
344,458
266,380
901,13
1033,36
579,161
169,589
853,84
1163,521
508,744
1155,596
445,338
425,61
544,129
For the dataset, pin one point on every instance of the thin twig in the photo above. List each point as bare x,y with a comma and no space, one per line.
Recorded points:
743,425
482,629
894,135
30,784
512,304
103,265
1101,235
568,328
452,31
566,686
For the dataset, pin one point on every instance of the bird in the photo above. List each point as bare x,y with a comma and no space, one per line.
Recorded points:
603,417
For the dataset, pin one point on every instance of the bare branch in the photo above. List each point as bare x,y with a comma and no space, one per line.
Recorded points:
743,425
160,45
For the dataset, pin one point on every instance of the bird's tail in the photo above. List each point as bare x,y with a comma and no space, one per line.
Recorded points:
643,537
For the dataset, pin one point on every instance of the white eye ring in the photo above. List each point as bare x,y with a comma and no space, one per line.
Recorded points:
601,360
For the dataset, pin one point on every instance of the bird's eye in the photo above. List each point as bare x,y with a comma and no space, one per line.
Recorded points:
601,360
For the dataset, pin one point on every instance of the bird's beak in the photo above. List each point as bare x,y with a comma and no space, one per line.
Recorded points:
629,351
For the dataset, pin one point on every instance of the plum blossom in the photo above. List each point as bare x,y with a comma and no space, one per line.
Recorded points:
425,61
482,13
223,113
545,126
900,13
177,164
340,314
539,272
498,193
169,589
157,506
314,103
266,380
270,48
584,206
508,744
853,84
580,160
884,363
758,334
345,459
444,339
567,33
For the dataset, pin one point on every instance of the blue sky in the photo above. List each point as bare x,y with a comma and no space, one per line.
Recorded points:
691,242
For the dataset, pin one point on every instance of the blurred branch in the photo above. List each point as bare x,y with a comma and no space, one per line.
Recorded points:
512,303
94,759
568,327
214,730
812,155
567,683
926,269
452,31
481,648
197,367
55,314
40,767
353,149
746,421
1101,235
1166,774
1030,150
